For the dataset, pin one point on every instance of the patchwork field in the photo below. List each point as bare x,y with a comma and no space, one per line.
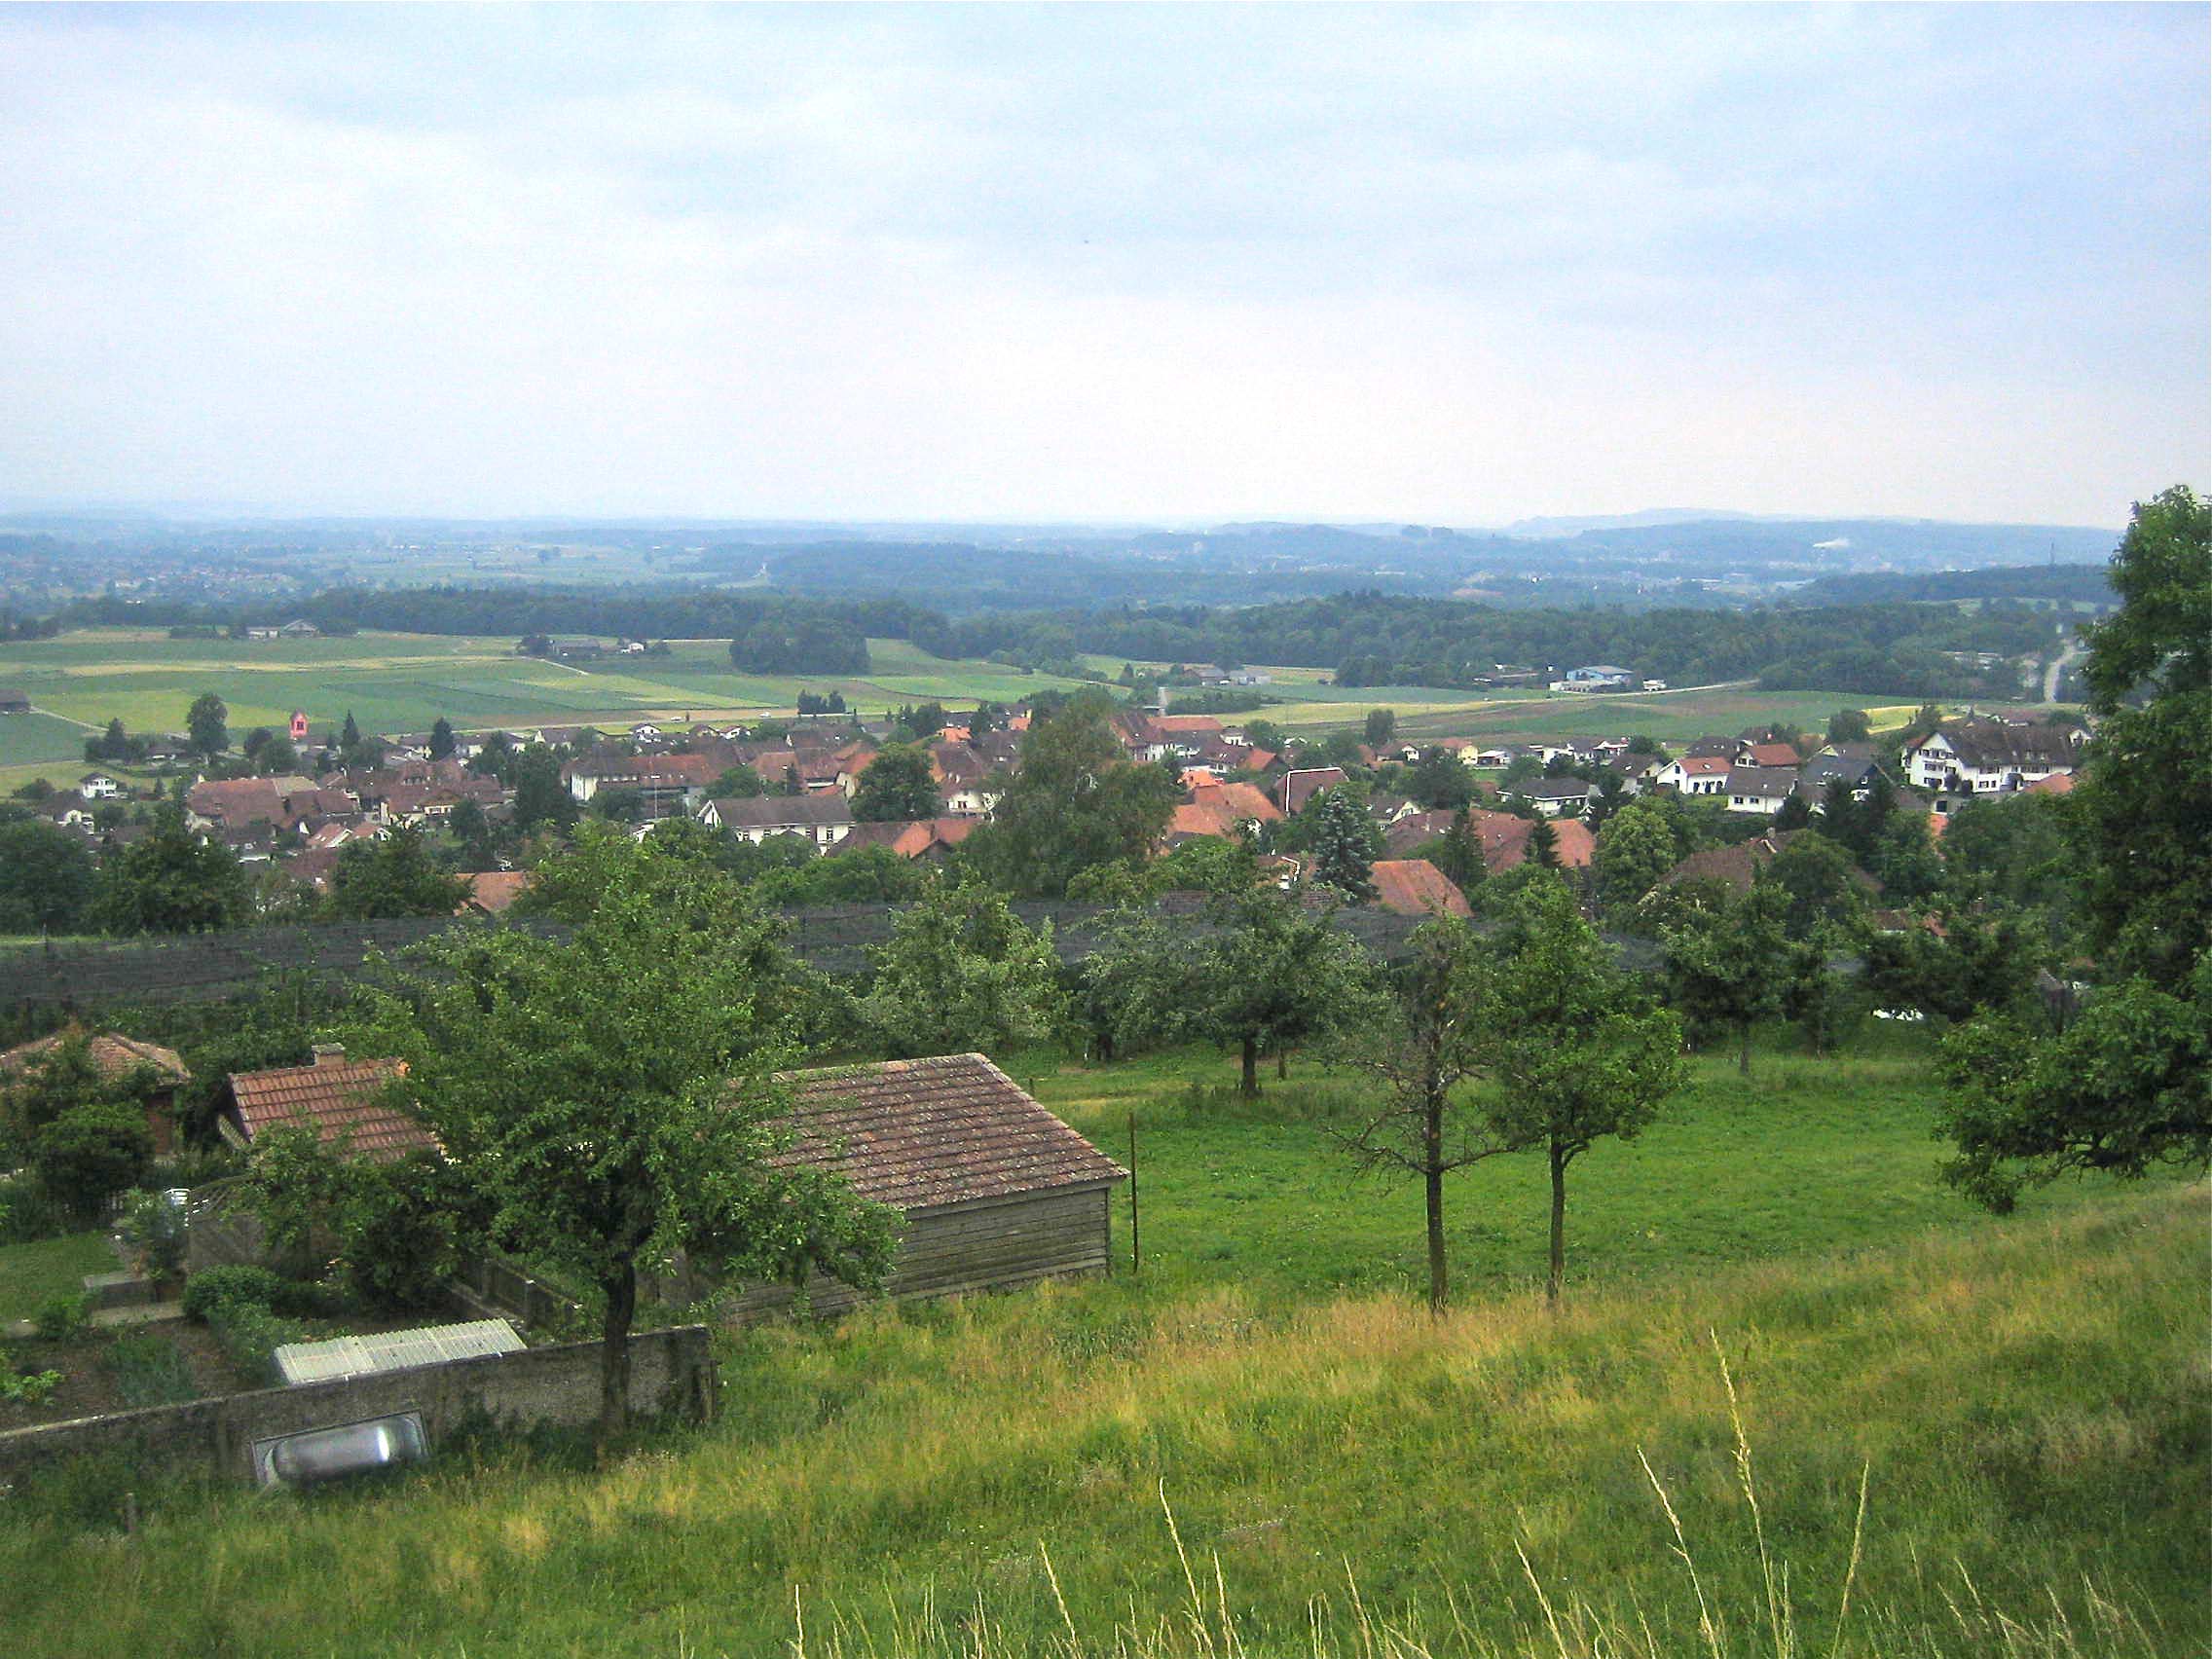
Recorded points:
404,682
1963,1435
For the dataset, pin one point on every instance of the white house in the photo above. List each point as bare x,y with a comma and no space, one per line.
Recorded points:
98,786
1759,788
1991,757
824,819
1694,775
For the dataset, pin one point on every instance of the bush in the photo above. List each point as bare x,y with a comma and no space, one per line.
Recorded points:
64,1317
250,1335
153,1228
91,1152
241,1287
25,1387
28,1212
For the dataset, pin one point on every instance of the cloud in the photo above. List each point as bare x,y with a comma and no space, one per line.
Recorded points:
1453,264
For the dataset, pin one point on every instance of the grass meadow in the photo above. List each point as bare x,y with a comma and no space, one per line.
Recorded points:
1799,1400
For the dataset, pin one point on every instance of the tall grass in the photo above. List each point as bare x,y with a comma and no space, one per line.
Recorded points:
1985,1443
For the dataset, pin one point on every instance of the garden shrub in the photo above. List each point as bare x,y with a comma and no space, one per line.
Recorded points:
153,1228
250,1336
91,1152
64,1317
25,1387
247,1286
28,1212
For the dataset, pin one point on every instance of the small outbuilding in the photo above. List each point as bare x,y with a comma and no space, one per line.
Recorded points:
158,1071
995,1190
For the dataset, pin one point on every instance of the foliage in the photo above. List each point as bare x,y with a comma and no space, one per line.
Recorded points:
64,1319
897,786
1636,849
541,799
1982,962
152,1229
1822,885
1074,803
2127,1088
1379,727
800,642
442,743
959,973
149,1370
250,1336
170,882
614,1098
91,1152
239,1283
868,875
1727,967
1341,845
1421,1050
1576,1052
392,875
46,879
1458,853
1849,725
206,722
26,1387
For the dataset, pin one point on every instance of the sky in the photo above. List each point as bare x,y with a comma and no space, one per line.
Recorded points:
1449,265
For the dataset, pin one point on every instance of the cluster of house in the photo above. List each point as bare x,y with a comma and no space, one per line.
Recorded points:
993,1190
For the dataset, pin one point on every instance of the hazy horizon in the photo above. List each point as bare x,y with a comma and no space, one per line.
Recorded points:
1071,265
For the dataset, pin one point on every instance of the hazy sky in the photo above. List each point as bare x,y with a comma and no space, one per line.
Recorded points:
1448,265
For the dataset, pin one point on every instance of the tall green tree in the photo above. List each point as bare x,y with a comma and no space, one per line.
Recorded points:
170,882
46,879
390,878
1380,726
2125,1087
1729,967
207,723
1575,1049
897,786
542,801
442,743
961,974
614,1098
1636,849
1423,1121
1074,802
1849,725
1340,854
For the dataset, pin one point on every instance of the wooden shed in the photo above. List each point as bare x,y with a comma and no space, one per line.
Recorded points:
996,1192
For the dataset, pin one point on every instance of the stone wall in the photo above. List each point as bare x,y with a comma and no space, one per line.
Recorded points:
671,1371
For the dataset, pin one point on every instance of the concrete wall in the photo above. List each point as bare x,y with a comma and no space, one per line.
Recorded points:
670,1370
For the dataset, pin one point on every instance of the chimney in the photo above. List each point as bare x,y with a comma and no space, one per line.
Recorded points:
329,1053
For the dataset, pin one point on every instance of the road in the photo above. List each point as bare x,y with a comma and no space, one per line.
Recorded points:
2053,674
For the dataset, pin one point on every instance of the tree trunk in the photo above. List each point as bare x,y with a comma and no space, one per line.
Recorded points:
621,1291
1558,1224
1282,1064
1432,1172
1744,1052
1249,1087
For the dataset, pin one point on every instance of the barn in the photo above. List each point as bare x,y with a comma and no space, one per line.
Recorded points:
996,1192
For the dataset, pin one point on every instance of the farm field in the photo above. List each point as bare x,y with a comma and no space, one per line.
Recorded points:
2023,1399
403,681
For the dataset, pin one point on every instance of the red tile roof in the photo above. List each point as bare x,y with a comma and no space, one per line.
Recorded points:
1415,887
113,1055
919,1134
342,1098
491,891
1771,754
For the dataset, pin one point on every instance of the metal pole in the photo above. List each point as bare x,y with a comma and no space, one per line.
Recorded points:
1136,1248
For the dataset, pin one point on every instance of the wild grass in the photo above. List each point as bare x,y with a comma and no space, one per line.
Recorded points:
2023,1408
35,1274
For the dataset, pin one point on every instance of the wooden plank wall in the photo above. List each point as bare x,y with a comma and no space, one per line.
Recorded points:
963,1248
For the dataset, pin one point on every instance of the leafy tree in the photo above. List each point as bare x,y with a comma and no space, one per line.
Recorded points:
1822,1001
1575,1049
91,1152
1982,962
1422,1123
614,1098
392,876
1924,723
1267,735
1074,803
868,875
1521,769
1796,812
1273,975
740,783
170,882
1380,726
1822,885
542,801
961,974
2146,795
2123,1088
1850,726
207,721
1904,860
1636,849
1440,782
255,742
277,756
618,805
46,879
442,744
349,734
896,786
1728,967
495,758
1341,849
1608,798
472,828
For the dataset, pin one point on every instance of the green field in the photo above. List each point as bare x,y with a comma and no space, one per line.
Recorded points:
2023,1399
33,1274
392,683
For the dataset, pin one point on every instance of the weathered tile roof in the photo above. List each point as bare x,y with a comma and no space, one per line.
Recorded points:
342,1098
921,1133
114,1055
1415,887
